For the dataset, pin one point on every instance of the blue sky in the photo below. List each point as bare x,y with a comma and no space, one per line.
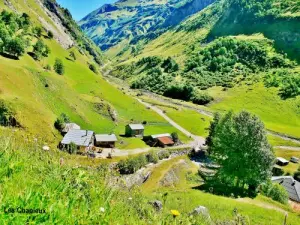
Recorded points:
80,8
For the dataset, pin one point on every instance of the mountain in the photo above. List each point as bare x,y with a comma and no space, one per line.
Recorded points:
128,21
49,67
51,73
230,52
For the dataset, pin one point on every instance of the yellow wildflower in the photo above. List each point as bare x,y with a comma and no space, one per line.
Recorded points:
175,212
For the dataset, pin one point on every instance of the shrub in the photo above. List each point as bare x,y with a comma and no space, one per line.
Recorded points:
170,65
275,191
37,31
72,148
297,175
72,55
175,137
201,98
93,68
290,87
40,50
50,34
59,124
131,165
59,67
47,67
182,91
152,157
163,154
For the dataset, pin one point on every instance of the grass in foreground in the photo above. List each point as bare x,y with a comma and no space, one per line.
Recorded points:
185,197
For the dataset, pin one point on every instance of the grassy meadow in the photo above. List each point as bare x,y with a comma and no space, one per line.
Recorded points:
185,196
278,115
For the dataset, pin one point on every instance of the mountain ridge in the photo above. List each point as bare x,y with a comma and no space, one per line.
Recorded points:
136,19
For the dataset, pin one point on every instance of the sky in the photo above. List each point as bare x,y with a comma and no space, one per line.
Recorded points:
80,8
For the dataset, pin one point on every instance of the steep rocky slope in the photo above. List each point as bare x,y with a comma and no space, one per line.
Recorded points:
130,21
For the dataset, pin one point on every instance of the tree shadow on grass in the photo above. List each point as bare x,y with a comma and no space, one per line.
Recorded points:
67,58
32,55
9,56
223,190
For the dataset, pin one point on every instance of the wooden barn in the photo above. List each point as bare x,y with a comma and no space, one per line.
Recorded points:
134,130
162,140
105,140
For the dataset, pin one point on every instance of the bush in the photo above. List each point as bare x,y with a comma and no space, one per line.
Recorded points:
59,67
50,34
290,87
275,191
37,31
93,68
72,55
47,67
175,137
72,148
201,98
40,50
182,91
152,157
297,175
170,65
131,165
59,124
163,154
15,47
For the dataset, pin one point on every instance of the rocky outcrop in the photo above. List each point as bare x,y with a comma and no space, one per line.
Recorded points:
201,211
181,13
137,20
157,205
172,177
60,33
130,181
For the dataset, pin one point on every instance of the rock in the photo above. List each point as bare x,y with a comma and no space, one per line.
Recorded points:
201,210
157,205
46,148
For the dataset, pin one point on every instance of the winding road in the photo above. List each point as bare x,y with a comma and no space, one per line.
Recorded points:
197,142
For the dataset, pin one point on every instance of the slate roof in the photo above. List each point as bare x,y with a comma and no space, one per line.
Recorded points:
70,126
106,138
291,186
160,135
136,126
166,140
79,137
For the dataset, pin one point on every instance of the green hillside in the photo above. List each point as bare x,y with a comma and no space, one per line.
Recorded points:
207,51
188,67
130,23
38,96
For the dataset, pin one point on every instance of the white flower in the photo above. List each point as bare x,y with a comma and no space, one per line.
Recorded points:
102,209
129,198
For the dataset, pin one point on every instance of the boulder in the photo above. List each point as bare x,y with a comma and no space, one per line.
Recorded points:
157,205
201,210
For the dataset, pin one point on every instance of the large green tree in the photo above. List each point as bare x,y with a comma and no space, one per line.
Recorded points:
238,143
15,47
